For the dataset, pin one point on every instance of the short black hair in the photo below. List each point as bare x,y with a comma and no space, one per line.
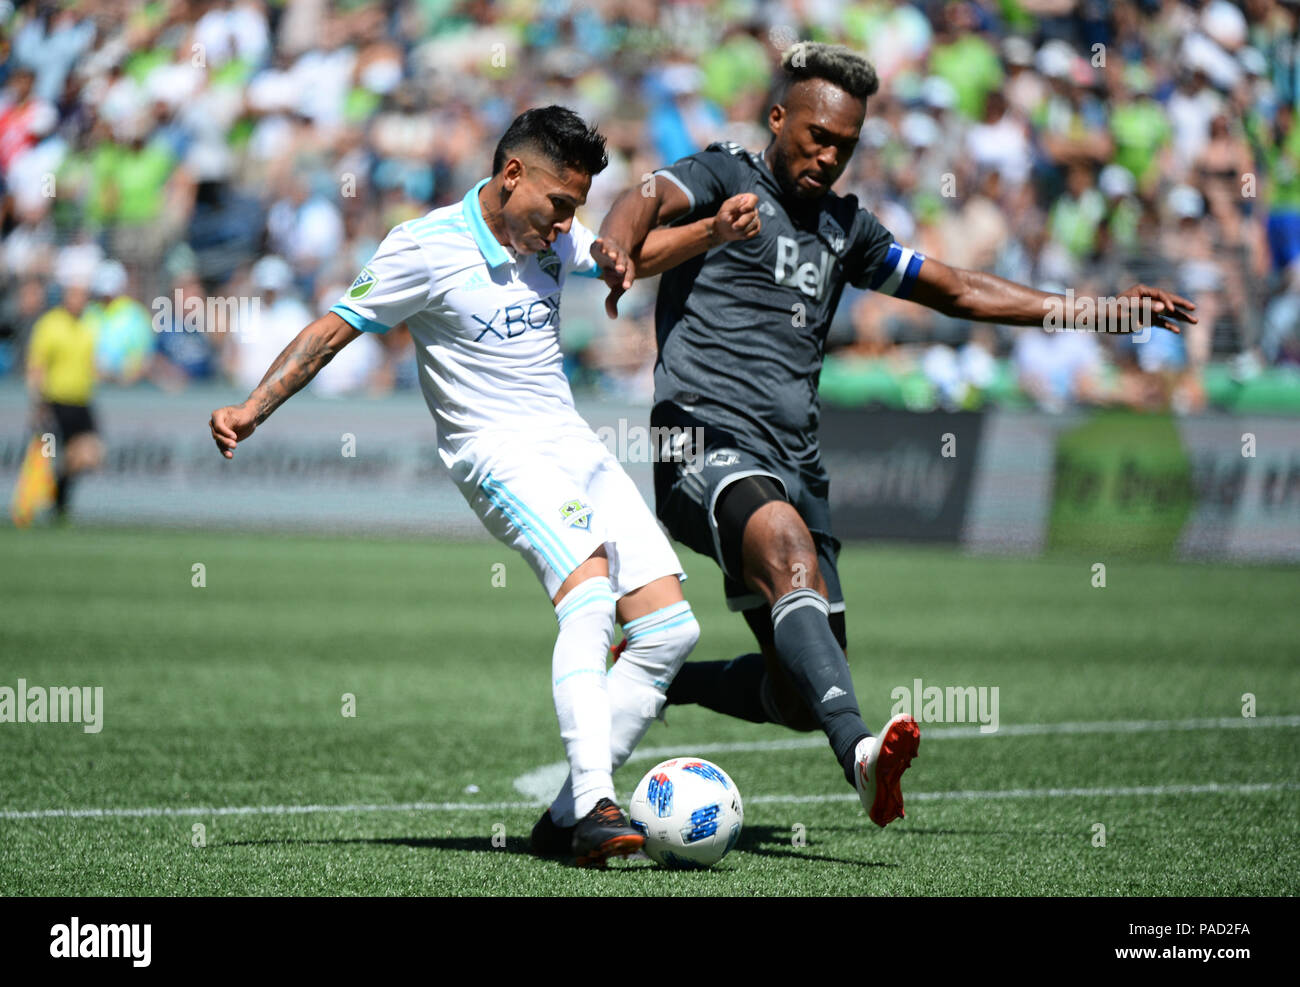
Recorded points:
558,134
838,65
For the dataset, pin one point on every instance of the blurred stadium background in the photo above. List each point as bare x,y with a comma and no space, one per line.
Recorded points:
178,161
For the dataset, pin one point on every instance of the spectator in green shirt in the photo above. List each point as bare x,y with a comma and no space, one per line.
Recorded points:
133,179
1140,129
1077,215
966,60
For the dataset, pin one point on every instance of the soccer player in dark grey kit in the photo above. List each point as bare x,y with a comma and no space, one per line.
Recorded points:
741,331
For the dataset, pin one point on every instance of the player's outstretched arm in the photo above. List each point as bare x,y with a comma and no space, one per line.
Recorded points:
625,228
985,297
639,210
666,247
299,362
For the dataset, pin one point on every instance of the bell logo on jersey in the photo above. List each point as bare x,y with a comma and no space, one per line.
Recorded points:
363,285
576,514
809,278
549,262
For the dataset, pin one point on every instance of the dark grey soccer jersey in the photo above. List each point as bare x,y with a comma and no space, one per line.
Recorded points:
741,328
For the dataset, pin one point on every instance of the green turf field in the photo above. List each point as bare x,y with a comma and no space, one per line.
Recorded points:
229,697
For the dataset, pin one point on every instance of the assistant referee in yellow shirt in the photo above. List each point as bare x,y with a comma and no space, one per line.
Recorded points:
61,377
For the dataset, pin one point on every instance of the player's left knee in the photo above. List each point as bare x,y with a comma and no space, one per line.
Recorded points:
658,643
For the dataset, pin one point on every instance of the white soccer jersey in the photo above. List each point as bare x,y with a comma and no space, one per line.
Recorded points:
485,321
486,327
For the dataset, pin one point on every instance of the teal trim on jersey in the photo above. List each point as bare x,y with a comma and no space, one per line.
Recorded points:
421,228
504,506
492,252
359,322
554,551
560,548
563,550
436,229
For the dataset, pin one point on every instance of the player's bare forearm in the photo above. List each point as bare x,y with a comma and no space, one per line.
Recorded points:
668,246
987,298
630,219
736,219
665,247
299,362
984,297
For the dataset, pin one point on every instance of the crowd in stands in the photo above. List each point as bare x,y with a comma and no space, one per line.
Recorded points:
158,155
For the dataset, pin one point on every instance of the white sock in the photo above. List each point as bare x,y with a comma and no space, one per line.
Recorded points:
657,644
586,619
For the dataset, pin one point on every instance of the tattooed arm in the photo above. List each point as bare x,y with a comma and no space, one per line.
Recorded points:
310,350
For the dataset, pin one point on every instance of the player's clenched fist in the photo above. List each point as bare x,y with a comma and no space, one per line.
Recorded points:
737,218
230,426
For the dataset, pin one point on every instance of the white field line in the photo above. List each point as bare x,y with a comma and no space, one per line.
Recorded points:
547,776
996,793
1013,730
1050,793
542,783
264,810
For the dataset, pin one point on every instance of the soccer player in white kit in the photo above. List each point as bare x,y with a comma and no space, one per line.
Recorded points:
478,284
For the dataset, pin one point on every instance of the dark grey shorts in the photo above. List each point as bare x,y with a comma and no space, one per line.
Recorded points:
687,489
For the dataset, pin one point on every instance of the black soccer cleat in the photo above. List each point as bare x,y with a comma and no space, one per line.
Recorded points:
549,839
602,833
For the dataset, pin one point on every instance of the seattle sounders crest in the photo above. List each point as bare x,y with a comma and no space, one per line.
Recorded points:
576,514
549,262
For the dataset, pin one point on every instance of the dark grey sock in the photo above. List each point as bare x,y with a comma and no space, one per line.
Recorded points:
733,688
812,658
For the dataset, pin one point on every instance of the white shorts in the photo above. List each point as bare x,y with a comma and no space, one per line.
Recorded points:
556,499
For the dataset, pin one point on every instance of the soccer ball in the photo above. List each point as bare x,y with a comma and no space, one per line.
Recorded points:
690,812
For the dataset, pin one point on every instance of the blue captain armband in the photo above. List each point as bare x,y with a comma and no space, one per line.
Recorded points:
897,273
